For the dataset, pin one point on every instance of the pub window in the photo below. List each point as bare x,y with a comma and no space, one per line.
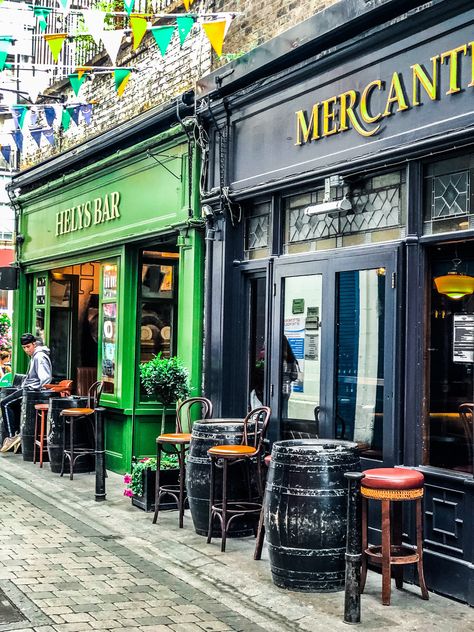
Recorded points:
257,231
448,195
158,303
378,214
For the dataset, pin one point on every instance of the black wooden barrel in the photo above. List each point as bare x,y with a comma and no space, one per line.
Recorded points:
4,391
305,512
205,435
56,432
28,414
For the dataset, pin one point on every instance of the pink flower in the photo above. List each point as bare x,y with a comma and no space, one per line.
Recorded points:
128,492
144,460
127,479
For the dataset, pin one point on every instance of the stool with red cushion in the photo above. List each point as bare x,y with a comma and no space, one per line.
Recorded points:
261,525
393,485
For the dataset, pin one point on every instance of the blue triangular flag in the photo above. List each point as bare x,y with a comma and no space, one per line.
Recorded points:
36,136
49,135
74,111
18,139
50,114
6,151
87,113
33,117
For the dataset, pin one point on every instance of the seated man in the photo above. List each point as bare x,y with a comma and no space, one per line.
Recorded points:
39,374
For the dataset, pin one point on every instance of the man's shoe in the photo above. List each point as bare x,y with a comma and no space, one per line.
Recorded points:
8,443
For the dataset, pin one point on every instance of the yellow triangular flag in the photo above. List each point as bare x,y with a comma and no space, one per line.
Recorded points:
187,4
81,70
138,24
55,42
121,75
215,32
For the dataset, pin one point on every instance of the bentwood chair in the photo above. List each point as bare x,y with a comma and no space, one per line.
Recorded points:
226,510
466,415
74,415
178,443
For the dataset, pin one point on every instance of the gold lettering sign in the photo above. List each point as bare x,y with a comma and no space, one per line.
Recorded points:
353,109
98,211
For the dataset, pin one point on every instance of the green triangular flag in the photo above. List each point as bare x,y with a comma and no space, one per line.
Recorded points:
65,119
122,75
19,113
5,43
185,24
76,81
128,5
42,13
163,35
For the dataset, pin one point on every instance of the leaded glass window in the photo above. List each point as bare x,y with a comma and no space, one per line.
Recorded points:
377,214
448,195
257,231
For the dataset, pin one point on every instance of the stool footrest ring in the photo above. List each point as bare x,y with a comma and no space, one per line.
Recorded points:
244,507
399,554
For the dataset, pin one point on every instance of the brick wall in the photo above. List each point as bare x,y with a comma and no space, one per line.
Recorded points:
160,79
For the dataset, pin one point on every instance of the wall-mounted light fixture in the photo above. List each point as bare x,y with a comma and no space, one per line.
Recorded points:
328,205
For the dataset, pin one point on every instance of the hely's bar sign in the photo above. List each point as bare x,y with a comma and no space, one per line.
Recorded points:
354,109
90,213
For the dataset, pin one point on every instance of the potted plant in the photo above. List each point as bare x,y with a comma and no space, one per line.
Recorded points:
140,484
165,379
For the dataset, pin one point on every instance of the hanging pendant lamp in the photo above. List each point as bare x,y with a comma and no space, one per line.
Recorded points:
454,284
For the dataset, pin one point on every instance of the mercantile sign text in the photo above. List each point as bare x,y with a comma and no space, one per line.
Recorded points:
355,109
91,213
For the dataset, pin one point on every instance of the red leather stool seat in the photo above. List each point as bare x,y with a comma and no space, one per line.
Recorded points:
392,478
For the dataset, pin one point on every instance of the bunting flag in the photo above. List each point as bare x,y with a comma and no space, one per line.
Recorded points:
112,41
6,151
42,14
36,135
65,5
87,113
5,43
74,111
49,114
128,5
55,43
94,20
19,113
76,81
49,135
33,117
215,32
162,35
82,69
18,139
35,84
65,119
187,4
138,24
184,23
121,76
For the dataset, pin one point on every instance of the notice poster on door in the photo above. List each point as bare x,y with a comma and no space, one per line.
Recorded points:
463,338
293,368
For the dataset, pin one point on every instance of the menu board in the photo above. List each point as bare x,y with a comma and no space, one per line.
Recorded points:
463,338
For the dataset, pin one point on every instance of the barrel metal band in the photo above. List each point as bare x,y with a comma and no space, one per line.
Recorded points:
392,494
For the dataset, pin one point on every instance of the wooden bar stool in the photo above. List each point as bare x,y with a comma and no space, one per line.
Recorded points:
70,415
225,510
178,442
393,485
41,411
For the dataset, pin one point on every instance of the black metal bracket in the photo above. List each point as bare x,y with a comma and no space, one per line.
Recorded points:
162,164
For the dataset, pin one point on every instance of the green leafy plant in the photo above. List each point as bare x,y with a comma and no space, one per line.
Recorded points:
134,481
165,379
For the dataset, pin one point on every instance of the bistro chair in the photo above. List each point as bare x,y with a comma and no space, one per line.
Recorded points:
466,415
74,415
225,510
392,485
178,442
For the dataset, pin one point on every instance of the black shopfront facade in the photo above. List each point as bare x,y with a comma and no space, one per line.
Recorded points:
340,187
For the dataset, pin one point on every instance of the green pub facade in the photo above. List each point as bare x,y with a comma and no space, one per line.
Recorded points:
111,256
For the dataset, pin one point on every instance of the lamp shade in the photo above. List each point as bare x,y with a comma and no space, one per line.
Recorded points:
455,285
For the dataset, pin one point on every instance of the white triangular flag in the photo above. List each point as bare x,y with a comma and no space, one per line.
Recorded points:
94,20
36,83
112,41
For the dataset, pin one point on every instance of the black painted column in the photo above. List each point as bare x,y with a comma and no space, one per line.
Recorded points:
99,455
353,549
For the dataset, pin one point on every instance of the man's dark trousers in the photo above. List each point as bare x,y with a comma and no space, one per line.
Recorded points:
11,407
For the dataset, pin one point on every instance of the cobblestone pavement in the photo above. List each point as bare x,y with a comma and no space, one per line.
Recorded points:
69,564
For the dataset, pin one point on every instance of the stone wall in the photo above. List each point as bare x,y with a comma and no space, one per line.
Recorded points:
158,79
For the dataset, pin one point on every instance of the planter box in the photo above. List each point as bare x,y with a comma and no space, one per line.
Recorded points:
147,500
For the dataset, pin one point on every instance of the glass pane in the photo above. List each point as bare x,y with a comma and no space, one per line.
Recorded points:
300,364
448,435
155,332
109,281
360,359
257,343
39,324
109,323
